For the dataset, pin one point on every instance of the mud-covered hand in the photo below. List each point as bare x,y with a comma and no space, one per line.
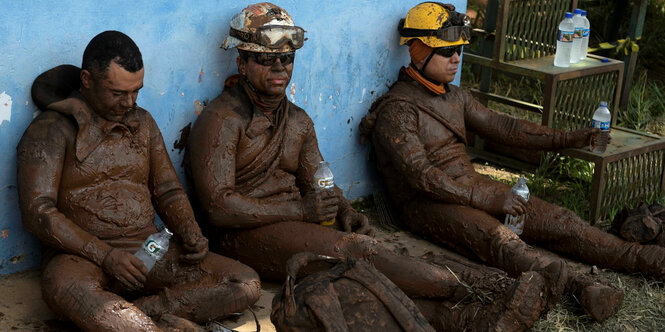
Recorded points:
125,267
581,138
195,247
319,206
508,203
353,221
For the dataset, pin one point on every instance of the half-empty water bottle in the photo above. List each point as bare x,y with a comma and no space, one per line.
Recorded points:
324,180
516,224
564,41
154,248
585,36
601,119
577,36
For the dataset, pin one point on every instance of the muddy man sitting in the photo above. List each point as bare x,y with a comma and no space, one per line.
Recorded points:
92,170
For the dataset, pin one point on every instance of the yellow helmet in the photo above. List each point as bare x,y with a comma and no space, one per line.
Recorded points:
436,25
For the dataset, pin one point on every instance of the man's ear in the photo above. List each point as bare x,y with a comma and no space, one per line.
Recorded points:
86,78
242,65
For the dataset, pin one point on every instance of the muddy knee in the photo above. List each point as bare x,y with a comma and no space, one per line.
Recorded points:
356,246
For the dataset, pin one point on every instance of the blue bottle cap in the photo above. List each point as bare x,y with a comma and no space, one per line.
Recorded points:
577,11
604,60
583,12
603,104
569,15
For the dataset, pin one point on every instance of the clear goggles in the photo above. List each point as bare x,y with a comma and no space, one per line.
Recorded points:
451,34
273,36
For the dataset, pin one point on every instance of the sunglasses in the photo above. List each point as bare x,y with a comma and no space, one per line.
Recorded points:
448,51
269,59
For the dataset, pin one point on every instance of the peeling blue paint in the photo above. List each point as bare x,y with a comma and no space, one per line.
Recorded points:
351,57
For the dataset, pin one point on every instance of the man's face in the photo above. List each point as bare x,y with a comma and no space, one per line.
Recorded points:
270,80
442,69
114,94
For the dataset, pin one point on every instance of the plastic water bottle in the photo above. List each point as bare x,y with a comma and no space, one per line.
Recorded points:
154,248
577,36
601,119
564,41
324,180
585,36
516,224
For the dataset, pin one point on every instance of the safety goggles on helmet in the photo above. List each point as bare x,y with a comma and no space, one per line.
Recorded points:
273,36
269,59
451,34
448,51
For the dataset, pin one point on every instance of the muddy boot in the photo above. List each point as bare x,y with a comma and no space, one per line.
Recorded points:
172,323
598,300
518,309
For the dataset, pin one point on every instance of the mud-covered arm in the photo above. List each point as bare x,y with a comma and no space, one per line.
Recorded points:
396,133
212,150
509,130
168,196
40,155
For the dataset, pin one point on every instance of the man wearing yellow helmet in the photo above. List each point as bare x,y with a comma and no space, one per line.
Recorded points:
252,156
419,133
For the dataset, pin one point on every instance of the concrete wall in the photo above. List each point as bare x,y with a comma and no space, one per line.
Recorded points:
350,59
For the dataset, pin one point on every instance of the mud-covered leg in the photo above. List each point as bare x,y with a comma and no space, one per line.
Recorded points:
516,310
561,230
218,287
73,288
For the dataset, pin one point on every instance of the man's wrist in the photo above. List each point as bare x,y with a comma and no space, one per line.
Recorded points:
96,250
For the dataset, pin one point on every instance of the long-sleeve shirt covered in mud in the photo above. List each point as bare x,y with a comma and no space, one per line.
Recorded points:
87,184
420,141
251,169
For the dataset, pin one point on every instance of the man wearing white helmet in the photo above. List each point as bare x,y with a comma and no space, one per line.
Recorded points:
252,155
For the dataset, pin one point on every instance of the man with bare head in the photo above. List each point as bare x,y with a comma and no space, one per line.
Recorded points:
418,130
252,156
92,170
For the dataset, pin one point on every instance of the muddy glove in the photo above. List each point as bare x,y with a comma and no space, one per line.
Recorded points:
353,221
195,247
125,267
319,206
504,202
581,138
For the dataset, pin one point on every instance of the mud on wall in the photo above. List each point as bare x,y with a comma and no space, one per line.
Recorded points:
350,58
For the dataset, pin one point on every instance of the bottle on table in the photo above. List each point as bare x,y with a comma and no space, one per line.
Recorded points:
564,41
602,119
584,48
578,21
324,180
154,248
516,224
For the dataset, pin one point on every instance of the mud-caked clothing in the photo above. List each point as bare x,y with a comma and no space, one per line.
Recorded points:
420,141
88,186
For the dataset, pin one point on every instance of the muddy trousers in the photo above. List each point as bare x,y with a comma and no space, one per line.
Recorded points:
78,290
267,249
476,233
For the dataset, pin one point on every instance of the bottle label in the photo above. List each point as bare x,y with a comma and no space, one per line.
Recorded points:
565,36
585,33
325,183
152,247
579,33
604,126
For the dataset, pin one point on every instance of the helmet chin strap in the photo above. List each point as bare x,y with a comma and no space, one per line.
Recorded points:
421,71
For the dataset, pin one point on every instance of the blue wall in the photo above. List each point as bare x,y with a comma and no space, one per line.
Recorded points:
352,56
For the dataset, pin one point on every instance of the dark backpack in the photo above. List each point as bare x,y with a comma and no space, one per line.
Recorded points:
350,296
